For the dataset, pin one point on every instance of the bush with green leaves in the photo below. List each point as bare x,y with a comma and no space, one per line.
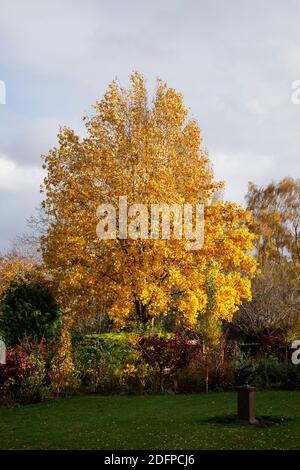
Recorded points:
101,359
28,310
272,374
33,388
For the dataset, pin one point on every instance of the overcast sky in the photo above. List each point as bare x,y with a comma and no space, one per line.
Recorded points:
233,60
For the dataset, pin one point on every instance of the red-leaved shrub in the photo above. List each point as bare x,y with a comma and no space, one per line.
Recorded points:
18,366
165,354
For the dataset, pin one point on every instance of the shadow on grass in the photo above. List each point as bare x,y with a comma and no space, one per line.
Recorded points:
261,421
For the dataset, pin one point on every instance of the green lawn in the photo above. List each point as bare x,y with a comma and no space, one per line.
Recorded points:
148,422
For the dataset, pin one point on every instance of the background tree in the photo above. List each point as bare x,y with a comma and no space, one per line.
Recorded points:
275,305
150,152
276,220
14,266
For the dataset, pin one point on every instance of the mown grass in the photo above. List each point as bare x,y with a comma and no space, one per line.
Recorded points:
148,422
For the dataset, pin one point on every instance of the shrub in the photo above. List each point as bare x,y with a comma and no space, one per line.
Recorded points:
33,386
274,345
103,361
209,369
28,310
25,377
165,355
270,373
12,374
267,373
290,376
62,372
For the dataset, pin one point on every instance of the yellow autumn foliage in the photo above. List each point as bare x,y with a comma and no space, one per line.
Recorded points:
149,151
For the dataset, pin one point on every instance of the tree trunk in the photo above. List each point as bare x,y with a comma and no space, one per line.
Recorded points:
141,312
205,368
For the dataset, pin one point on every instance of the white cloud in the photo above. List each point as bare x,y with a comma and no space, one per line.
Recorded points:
238,168
25,140
256,108
16,178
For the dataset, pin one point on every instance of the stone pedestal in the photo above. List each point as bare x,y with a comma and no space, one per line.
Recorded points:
246,404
